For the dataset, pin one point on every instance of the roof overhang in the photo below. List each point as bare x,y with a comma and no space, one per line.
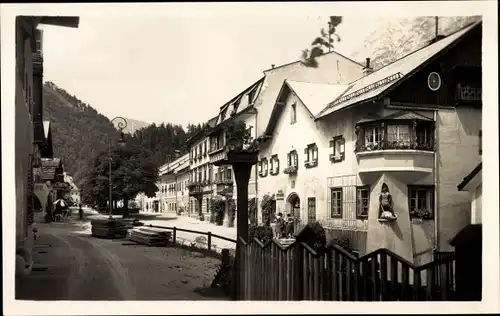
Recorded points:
472,180
65,21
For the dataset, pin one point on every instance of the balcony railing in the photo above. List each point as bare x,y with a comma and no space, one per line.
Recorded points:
396,145
225,186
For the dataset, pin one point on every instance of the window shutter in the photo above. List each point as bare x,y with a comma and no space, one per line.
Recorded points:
342,145
288,159
277,165
332,143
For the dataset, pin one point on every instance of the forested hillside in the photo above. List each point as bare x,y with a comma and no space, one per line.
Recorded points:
80,132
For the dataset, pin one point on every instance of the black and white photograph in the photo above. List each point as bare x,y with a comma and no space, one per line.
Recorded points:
218,153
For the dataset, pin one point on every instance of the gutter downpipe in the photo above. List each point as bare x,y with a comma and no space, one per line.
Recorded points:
256,172
436,186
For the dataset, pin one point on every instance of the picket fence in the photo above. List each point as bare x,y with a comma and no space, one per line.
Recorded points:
272,272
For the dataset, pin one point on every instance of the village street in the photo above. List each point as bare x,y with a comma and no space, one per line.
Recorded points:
72,265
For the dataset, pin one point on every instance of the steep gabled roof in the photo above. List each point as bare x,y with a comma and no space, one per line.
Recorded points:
314,96
380,81
470,176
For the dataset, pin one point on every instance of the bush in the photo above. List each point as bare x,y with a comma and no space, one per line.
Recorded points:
313,234
343,242
252,211
217,207
267,207
231,212
261,232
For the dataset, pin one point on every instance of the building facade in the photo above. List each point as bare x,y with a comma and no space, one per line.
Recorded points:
396,135
29,131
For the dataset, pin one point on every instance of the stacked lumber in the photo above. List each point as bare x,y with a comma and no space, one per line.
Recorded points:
131,222
108,228
150,236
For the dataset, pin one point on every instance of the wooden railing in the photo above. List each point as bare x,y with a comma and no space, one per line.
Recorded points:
298,272
209,235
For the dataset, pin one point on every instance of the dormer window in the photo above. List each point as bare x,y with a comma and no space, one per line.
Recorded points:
293,114
338,149
311,152
275,165
263,167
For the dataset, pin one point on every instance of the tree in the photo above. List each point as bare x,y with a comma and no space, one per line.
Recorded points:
322,42
132,172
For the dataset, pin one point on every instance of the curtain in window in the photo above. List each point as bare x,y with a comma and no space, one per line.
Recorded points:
398,133
373,136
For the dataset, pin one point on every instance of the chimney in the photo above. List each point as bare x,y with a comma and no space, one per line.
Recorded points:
272,66
367,69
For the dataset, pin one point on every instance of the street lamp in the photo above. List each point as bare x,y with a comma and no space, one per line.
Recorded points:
121,124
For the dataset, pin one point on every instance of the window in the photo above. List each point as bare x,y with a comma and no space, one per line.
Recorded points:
336,202
311,153
311,209
362,201
263,167
228,174
293,159
293,118
398,134
373,137
275,165
421,201
338,148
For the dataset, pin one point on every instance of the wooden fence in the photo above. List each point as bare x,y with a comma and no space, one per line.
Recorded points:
272,272
209,235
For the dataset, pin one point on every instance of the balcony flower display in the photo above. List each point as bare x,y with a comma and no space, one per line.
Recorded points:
420,214
238,137
290,170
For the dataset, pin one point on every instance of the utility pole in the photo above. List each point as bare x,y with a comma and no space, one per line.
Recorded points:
110,183
329,36
436,33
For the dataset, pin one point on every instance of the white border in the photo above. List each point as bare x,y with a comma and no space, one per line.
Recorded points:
488,9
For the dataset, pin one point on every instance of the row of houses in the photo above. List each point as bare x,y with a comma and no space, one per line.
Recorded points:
375,156
39,176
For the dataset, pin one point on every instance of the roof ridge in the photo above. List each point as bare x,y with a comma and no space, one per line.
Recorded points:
327,53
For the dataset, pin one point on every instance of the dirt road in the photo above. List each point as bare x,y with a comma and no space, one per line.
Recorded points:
74,266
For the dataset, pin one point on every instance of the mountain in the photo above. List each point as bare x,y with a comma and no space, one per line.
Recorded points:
79,132
400,36
134,125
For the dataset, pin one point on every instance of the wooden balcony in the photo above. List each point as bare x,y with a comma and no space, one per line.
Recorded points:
224,187
217,155
404,157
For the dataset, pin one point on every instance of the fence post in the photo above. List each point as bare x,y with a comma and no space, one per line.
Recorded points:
209,241
174,238
298,283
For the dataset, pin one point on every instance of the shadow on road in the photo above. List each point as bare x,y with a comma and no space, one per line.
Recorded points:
152,217
212,292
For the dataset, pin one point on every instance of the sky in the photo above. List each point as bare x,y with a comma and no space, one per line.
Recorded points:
179,69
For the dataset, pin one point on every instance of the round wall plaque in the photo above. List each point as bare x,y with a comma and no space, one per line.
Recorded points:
434,81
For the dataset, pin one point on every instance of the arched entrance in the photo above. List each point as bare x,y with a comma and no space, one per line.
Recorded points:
293,205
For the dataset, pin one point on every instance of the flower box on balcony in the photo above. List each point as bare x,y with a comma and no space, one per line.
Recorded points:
311,164
420,214
337,158
291,170
224,181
